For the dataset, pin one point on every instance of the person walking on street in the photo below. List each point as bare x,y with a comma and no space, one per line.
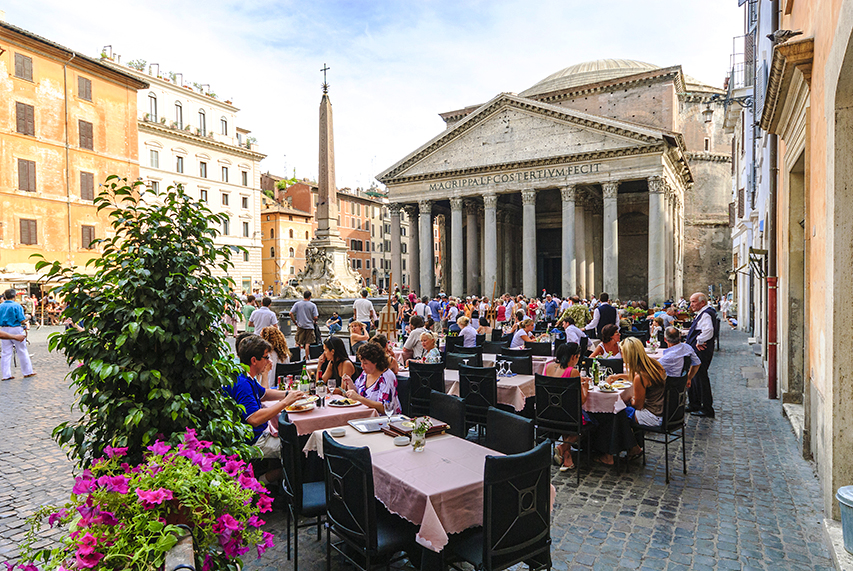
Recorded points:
701,337
11,323
304,314
263,316
247,309
362,310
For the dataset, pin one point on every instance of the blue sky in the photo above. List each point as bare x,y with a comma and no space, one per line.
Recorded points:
394,65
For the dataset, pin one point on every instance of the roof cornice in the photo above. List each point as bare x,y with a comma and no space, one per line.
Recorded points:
181,135
709,157
652,76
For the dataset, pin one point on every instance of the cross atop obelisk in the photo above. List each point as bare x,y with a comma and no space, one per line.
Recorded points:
325,83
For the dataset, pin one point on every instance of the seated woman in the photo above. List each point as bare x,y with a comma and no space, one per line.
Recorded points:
279,354
468,333
657,325
649,382
376,384
609,346
334,363
431,353
357,335
565,366
382,341
523,335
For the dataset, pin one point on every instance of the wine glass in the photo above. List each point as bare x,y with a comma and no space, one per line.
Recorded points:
331,384
390,409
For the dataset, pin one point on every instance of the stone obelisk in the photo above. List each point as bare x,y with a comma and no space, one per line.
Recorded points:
327,270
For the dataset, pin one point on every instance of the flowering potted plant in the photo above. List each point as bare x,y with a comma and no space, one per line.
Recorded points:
126,517
419,431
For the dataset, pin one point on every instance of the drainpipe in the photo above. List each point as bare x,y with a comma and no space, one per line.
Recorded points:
67,156
772,365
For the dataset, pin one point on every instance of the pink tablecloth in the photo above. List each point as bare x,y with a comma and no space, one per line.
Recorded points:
539,362
511,390
323,417
598,401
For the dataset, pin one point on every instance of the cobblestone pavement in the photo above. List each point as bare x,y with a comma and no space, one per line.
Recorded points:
748,501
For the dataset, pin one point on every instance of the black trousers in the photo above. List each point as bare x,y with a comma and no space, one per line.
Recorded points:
700,389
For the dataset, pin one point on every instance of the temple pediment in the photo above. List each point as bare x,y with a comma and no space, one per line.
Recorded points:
511,130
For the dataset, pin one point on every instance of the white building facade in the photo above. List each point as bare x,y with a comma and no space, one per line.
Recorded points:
192,139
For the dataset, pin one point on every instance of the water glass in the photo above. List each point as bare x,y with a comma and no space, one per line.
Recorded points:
331,384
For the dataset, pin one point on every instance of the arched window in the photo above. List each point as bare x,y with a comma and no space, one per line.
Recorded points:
291,233
223,122
179,115
152,107
292,253
272,233
272,252
202,122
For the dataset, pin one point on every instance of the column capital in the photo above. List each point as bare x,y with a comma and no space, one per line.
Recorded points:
394,208
656,184
609,189
490,201
568,192
456,203
472,205
528,196
425,207
411,210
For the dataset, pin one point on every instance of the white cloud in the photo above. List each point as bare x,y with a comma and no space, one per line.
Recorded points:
394,65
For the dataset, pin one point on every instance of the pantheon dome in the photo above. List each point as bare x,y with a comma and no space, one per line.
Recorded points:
597,71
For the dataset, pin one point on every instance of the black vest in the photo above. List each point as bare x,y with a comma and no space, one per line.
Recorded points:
694,332
606,316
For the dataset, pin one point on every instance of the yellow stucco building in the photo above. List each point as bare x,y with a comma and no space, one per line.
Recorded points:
66,123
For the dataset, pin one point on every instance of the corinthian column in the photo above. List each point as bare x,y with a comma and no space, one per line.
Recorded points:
610,238
569,271
457,258
472,254
490,246
414,250
427,246
657,253
528,217
396,244
580,244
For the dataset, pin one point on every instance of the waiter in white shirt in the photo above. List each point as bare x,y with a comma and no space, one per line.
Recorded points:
701,337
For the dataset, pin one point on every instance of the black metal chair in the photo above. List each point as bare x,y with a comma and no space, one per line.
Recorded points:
453,361
519,364
314,351
449,409
403,390
497,334
508,433
475,350
642,336
284,369
480,339
295,354
557,342
365,529
451,342
672,427
423,379
516,514
494,347
616,365
478,388
558,410
306,499
540,327
507,338
583,343
522,352
542,349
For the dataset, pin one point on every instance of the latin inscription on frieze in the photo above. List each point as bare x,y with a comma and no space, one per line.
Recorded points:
523,176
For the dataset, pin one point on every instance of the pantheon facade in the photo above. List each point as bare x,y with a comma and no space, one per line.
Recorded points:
605,176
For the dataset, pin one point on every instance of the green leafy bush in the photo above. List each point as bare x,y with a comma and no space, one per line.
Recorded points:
580,313
152,353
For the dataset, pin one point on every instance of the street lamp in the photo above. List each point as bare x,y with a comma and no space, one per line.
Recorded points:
744,101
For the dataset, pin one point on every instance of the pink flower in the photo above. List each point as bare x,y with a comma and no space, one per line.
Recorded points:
228,522
114,452
151,497
54,517
267,543
88,560
204,463
117,484
207,561
108,518
204,444
250,483
88,543
83,485
265,504
159,448
28,567
254,521
232,467
190,441
195,457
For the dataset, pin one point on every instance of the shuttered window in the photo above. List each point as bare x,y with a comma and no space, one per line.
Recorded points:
26,175
87,140
29,232
741,203
88,235
87,186
84,88
25,118
24,67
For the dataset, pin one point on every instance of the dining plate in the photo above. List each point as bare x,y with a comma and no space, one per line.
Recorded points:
607,391
343,403
296,407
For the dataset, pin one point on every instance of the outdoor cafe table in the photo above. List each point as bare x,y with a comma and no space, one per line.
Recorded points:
539,361
322,417
439,489
511,390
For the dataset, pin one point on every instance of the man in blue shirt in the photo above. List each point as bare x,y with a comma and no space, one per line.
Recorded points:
551,306
435,310
247,392
672,360
11,325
